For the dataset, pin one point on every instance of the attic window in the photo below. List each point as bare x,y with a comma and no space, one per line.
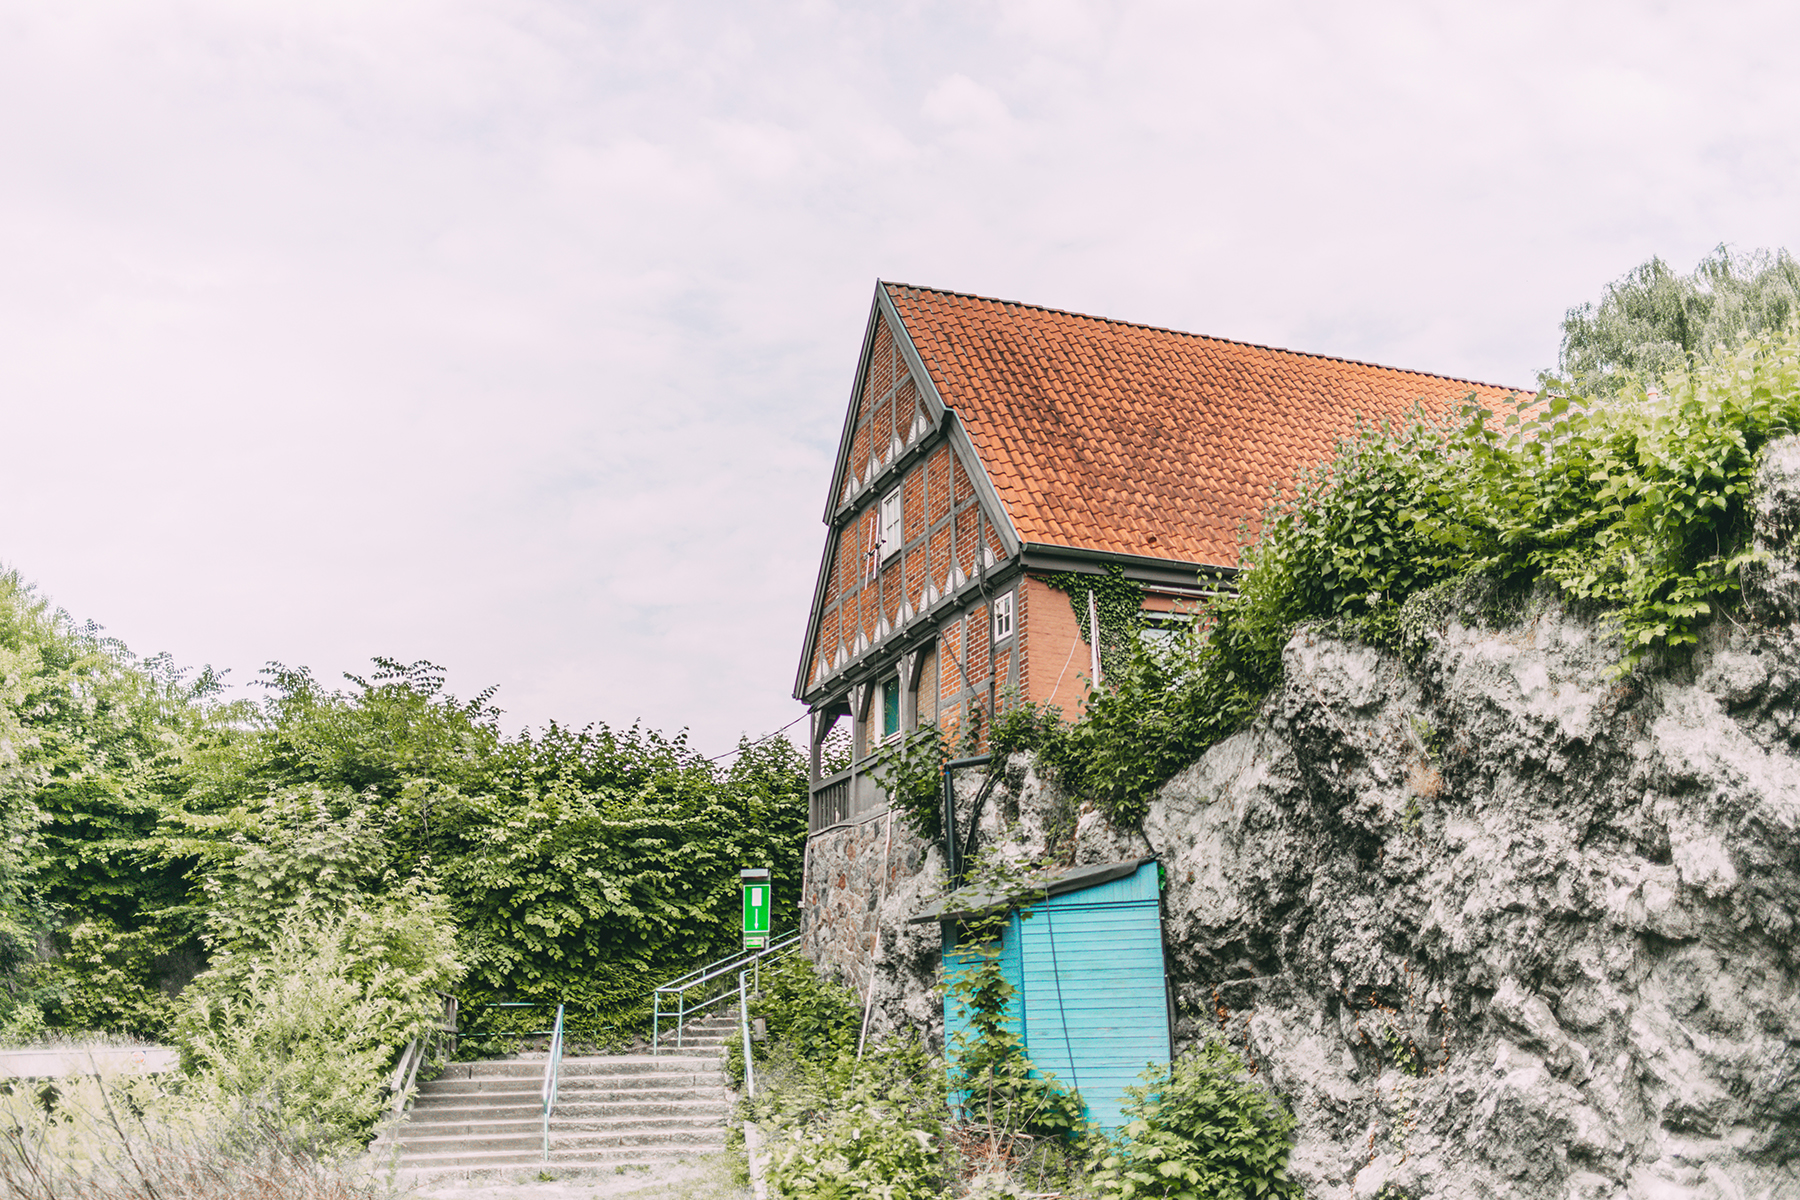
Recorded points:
890,523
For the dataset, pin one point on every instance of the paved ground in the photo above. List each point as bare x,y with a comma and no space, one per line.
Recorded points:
707,1178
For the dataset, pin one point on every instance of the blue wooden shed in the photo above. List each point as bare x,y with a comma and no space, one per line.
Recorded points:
1084,954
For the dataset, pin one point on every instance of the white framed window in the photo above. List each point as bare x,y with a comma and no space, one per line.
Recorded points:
891,510
1003,617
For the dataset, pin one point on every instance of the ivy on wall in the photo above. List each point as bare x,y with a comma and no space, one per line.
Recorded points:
1118,603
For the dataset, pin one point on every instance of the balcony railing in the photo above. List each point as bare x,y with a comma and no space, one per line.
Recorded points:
846,796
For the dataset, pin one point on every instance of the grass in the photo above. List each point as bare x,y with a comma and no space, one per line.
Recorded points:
128,1138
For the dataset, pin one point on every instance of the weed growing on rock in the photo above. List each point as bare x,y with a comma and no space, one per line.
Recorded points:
910,771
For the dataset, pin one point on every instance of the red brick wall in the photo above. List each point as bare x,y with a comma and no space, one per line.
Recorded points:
977,657
1058,661
939,470
966,524
913,505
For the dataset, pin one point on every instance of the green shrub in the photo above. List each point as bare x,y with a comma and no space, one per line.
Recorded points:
842,1129
867,1147
911,772
809,1018
104,980
306,1027
1200,1130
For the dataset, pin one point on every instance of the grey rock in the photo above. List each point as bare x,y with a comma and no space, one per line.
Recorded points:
1772,586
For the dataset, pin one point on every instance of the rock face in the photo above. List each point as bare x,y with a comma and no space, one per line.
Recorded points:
1503,923
1493,919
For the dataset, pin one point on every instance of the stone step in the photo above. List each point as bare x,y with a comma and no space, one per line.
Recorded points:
609,1064
572,1161
719,1106
496,1090
482,1126
675,1098
586,1118
414,1151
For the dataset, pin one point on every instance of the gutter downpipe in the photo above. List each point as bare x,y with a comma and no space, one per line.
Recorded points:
952,859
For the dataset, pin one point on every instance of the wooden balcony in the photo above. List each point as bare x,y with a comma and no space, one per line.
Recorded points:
845,797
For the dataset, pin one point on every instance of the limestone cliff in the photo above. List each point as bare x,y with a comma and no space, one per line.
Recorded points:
1494,919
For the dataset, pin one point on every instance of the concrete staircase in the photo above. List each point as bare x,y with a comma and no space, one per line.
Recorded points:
615,1110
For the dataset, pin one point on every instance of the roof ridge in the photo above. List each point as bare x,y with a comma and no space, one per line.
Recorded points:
1205,337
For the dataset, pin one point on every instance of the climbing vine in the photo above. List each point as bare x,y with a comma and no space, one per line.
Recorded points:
992,1080
1118,603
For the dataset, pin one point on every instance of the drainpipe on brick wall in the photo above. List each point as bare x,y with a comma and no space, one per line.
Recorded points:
1094,635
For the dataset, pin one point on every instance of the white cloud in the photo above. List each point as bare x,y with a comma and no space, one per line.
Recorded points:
516,333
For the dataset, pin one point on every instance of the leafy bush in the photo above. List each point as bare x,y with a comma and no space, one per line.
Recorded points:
867,1147
808,1018
911,772
305,1026
842,1129
104,979
1200,1130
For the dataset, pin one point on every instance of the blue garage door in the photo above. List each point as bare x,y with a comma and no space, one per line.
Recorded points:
1088,968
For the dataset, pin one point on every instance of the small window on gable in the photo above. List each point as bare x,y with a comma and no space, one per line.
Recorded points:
890,709
1003,617
890,523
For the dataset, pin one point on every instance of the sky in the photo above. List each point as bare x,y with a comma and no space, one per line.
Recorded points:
516,335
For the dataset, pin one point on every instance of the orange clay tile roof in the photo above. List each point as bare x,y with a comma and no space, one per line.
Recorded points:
1126,439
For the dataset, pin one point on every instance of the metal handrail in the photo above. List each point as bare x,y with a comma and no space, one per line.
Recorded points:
552,1076
744,1030
406,1070
679,987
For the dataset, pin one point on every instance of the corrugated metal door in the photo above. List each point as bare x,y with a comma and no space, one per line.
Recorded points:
1094,996
1092,1000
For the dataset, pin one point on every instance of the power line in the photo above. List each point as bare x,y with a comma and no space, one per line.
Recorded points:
759,741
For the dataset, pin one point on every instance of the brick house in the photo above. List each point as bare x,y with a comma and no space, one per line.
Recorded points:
989,445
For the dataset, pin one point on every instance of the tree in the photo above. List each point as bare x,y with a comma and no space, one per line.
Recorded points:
1653,320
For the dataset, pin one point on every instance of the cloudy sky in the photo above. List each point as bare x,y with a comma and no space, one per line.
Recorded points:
516,334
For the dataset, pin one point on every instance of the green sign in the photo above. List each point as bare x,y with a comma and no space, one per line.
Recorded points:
758,897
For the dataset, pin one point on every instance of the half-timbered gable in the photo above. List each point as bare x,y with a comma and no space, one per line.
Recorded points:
988,445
